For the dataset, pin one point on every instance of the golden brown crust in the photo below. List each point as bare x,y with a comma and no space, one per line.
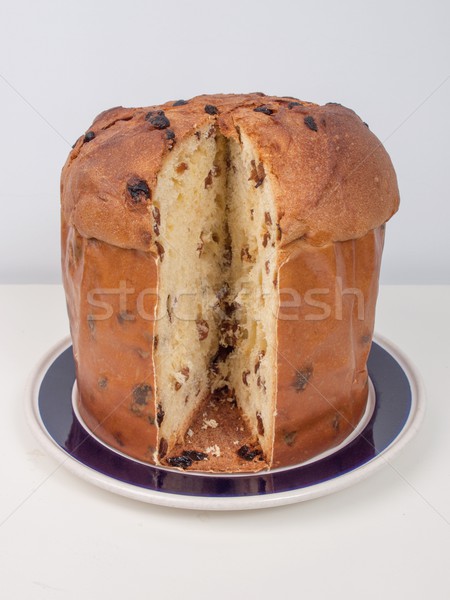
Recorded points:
111,310
332,178
323,343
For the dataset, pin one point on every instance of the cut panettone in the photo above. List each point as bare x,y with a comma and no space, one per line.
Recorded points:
221,261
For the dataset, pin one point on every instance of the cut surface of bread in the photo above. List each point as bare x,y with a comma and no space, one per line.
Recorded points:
215,226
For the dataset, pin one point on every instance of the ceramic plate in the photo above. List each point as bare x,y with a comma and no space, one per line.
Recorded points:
394,413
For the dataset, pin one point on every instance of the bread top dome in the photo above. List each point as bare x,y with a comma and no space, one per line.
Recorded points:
331,177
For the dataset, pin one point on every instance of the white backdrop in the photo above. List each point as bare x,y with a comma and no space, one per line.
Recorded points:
63,62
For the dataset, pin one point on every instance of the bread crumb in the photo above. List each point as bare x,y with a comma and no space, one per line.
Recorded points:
209,423
213,450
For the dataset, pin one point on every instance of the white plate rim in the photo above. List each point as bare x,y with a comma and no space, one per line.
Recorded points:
311,492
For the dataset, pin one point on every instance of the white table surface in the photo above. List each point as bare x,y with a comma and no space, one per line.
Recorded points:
386,537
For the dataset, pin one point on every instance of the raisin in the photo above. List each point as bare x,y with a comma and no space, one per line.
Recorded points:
142,394
267,266
102,383
247,453
289,438
227,255
195,455
211,109
309,122
138,190
261,383
180,103
198,134
157,119
169,309
257,173
162,447
260,423
208,180
266,238
177,386
252,212
155,342
230,308
245,375
90,135
261,355
180,461
156,219
202,329
245,254
292,104
159,415
119,439
160,249
170,137
264,109
279,232
267,218
156,215
302,378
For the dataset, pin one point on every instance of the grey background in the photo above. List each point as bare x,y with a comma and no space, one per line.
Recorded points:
62,63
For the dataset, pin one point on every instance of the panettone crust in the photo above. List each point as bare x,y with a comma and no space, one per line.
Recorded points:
334,188
332,178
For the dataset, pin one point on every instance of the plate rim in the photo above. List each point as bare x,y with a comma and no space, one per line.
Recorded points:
357,431
340,482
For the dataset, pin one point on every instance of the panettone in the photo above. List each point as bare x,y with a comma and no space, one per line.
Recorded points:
221,258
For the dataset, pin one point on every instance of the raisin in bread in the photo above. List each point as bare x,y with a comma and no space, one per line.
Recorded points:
220,260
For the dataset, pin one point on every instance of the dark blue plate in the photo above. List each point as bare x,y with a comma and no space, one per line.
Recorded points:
396,415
